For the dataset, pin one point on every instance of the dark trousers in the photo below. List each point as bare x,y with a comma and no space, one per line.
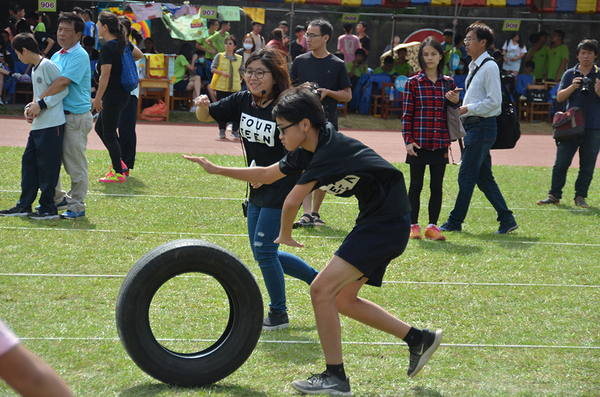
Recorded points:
127,138
40,167
106,128
236,123
417,174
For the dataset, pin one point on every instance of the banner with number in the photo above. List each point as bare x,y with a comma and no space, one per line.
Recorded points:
350,18
187,27
47,5
208,12
511,25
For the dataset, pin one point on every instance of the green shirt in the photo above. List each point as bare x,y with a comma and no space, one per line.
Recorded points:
218,41
40,27
449,59
204,44
403,69
358,71
380,70
555,58
540,58
179,69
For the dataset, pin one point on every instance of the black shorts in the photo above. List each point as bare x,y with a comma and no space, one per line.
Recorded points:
371,247
181,85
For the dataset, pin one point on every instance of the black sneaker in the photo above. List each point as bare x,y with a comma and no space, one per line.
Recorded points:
420,354
275,321
324,383
43,216
16,211
59,207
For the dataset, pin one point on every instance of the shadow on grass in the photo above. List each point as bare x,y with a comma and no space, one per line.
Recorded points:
115,190
448,246
423,392
79,223
153,389
288,352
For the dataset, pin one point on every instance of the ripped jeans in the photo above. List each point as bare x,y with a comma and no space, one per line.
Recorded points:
263,229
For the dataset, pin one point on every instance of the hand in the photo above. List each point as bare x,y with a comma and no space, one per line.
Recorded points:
576,83
410,149
462,110
323,92
96,105
505,59
454,95
513,59
225,74
207,165
202,101
27,115
256,185
597,86
288,241
34,110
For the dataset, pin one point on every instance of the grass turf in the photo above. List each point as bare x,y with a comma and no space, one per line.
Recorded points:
519,312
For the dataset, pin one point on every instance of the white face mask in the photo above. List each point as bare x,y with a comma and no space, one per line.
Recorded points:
247,46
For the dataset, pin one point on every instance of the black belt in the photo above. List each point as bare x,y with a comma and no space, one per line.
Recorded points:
476,119
67,113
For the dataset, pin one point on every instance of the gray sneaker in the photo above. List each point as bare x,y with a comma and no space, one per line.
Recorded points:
324,383
222,134
420,354
580,202
275,321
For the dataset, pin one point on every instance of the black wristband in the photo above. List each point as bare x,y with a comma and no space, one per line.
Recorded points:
42,104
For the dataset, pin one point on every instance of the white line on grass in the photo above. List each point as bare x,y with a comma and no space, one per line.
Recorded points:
314,342
245,235
465,284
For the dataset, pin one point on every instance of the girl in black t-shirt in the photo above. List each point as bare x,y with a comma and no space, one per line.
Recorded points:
266,77
111,98
343,166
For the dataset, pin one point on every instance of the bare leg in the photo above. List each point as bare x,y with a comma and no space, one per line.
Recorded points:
196,86
319,197
307,204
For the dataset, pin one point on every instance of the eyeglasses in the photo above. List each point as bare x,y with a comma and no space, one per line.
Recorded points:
312,35
470,39
281,130
259,74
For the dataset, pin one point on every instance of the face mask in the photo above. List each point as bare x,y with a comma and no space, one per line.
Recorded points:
461,67
201,60
247,46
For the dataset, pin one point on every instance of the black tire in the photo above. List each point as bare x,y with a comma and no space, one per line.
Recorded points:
226,354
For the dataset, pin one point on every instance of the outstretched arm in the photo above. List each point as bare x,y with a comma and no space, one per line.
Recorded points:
289,212
263,175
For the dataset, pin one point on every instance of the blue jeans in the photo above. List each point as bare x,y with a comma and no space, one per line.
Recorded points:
263,229
476,169
588,152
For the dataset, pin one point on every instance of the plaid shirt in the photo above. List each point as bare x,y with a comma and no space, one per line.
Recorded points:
424,118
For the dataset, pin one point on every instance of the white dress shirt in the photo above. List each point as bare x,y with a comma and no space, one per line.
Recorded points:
484,95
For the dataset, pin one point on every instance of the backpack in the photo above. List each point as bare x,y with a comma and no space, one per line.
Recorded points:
129,74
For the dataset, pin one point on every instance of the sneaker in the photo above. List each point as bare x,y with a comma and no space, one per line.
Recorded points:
193,109
113,177
72,214
505,229
222,134
420,354
16,211
580,202
59,207
324,383
125,169
415,231
235,134
432,232
549,200
1,102
446,227
43,216
275,321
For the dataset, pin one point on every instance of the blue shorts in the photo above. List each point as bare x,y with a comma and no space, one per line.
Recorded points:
181,85
371,247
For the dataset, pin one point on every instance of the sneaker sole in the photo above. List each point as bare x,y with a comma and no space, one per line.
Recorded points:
21,214
441,238
331,392
101,181
428,353
45,218
275,327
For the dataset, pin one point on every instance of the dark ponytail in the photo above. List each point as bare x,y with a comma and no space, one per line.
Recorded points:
115,27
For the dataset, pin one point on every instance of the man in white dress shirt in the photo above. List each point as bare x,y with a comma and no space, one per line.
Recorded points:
481,105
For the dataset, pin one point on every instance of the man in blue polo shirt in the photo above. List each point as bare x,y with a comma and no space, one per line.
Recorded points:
74,64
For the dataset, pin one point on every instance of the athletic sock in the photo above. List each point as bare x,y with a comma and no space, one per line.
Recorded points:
414,337
337,370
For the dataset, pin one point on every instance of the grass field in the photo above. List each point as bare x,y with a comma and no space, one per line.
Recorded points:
520,313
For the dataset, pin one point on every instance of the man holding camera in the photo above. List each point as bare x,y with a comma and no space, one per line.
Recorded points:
580,87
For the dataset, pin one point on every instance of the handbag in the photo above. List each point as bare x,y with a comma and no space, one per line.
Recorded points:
568,125
129,73
455,127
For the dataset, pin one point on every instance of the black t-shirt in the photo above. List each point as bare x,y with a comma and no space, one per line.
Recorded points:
345,167
365,43
42,40
261,142
296,49
329,72
115,93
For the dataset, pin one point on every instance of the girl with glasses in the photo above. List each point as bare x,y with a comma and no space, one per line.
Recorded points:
266,77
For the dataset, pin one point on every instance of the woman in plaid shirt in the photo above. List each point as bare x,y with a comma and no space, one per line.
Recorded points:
425,132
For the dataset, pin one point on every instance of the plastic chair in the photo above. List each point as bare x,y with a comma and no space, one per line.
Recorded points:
540,108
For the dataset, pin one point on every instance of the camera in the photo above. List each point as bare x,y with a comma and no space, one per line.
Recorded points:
585,85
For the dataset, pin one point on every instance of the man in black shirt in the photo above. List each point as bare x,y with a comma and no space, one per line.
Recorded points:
365,41
329,72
